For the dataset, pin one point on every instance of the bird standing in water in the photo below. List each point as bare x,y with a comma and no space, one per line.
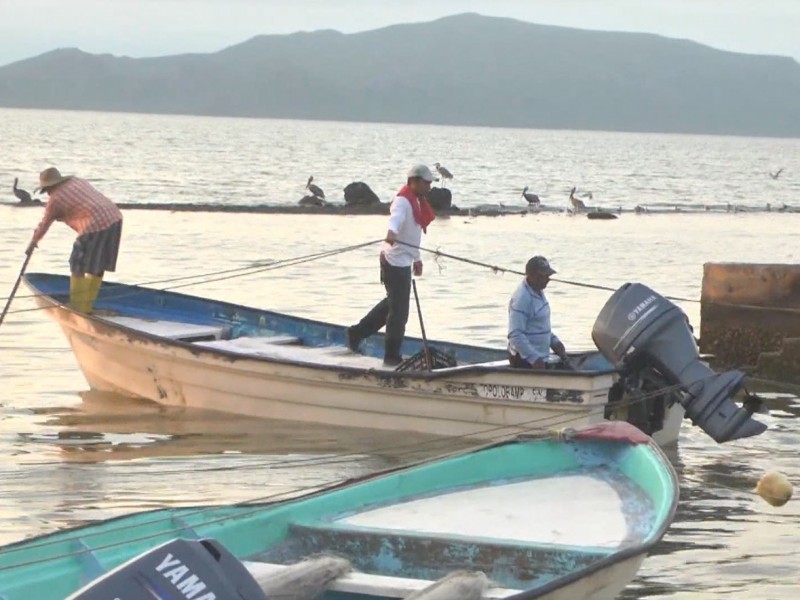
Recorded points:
531,198
444,172
314,189
24,197
577,205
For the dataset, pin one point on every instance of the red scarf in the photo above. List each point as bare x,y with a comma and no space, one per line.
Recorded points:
423,213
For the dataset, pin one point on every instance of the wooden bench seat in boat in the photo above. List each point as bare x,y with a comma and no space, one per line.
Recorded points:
368,584
285,349
174,330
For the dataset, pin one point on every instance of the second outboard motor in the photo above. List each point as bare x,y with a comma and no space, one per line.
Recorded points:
195,569
638,329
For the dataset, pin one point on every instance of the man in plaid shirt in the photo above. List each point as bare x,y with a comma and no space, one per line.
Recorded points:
98,222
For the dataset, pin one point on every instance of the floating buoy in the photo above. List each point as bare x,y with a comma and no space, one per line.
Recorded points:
775,488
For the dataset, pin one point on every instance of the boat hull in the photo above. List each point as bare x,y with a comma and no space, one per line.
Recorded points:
175,375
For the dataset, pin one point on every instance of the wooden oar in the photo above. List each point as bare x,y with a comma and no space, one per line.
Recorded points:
16,286
428,357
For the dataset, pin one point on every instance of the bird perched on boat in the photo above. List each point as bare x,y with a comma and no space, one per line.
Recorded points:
577,205
24,197
314,189
531,198
444,172
777,173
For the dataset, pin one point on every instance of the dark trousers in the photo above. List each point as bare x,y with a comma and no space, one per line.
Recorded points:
392,311
517,362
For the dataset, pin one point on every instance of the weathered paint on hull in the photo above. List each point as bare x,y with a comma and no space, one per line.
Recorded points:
114,360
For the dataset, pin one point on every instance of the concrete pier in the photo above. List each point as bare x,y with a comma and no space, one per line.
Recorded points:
750,318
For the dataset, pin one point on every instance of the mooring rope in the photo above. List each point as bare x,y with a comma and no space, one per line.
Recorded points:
498,269
226,274
216,276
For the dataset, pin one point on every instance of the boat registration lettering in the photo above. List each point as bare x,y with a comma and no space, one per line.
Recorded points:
511,392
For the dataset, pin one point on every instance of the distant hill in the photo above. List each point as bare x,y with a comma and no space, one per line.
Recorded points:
461,70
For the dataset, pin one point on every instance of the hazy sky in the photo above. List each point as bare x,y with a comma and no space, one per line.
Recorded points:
159,27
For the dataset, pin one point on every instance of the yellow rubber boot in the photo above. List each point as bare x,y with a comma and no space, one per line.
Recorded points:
95,282
79,293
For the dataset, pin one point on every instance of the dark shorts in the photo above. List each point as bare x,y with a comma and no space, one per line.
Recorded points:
96,252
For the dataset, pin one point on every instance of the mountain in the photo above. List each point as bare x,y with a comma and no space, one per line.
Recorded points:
461,70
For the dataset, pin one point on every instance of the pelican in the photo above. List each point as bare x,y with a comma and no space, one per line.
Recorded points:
577,205
777,173
24,197
443,172
316,190
532,198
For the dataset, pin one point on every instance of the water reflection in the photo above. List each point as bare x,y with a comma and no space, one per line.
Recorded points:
112,427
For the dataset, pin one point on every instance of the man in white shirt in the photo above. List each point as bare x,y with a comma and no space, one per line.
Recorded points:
409,217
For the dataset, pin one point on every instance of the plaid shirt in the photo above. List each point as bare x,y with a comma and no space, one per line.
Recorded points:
80,206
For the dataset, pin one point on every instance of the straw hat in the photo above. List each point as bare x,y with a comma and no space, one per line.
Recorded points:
49,178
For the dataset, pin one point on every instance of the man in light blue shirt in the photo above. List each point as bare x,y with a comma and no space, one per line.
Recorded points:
530,337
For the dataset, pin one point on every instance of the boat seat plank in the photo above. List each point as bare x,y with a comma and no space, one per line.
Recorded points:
262,347
259,341
174,330
372,585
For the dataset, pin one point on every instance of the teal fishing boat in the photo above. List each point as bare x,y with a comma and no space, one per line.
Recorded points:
571,516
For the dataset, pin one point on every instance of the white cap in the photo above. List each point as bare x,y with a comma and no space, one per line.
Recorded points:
423,172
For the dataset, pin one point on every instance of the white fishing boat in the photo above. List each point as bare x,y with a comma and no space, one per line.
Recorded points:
182,350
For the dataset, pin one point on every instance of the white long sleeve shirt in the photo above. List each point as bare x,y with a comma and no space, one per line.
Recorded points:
401,221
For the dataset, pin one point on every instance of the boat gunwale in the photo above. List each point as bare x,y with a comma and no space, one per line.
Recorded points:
467,369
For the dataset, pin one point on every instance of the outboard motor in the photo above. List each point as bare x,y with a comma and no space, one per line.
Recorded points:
642,332
196,569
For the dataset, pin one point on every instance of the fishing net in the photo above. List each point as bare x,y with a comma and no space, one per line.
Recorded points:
420,362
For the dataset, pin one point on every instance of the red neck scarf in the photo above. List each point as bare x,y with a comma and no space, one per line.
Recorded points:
423,213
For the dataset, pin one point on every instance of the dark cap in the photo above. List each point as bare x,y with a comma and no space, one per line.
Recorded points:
539,264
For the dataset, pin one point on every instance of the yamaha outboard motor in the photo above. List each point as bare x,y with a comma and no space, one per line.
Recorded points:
196,569
642,332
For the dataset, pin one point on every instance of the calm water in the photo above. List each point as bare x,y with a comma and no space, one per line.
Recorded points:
71,455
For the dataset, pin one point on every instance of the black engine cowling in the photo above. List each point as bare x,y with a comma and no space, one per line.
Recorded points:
196,569
648,338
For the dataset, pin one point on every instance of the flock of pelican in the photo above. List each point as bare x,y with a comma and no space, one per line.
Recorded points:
578,205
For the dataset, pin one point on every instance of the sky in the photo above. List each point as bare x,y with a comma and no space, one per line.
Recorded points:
161,27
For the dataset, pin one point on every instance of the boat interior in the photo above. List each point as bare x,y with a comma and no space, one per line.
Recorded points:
259,333
512,531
